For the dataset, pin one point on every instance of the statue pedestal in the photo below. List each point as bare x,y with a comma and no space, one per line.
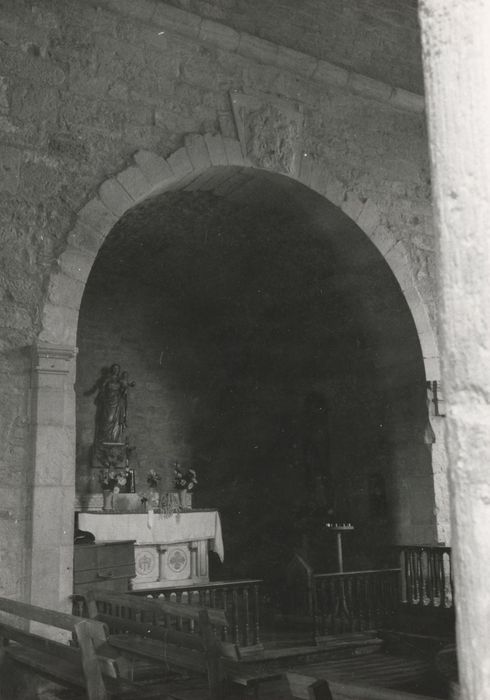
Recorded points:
109,455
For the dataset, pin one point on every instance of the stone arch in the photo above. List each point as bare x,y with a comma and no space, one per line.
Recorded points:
151,174
192,166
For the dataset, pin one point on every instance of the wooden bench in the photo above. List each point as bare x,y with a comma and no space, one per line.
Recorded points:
307,688
179,635
310,688
86,660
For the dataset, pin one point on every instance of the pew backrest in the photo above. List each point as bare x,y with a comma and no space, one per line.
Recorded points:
79,665
308,688
183,636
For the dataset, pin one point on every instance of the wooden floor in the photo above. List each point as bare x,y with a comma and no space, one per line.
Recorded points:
365,666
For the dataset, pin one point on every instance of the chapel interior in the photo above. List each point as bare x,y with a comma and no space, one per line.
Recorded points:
226,210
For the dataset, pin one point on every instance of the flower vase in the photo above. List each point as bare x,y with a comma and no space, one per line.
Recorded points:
108,504
153,500
185,499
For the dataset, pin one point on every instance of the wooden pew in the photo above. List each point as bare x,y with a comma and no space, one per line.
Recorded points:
307,688
310,688
180,636
88,662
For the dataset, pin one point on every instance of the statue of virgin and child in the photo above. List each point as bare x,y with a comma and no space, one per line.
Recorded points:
111,409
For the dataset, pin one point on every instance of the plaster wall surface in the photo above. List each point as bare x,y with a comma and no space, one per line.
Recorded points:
82,88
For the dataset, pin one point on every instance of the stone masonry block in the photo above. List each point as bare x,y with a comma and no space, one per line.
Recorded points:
399,261
155,169
233,152
216,149
59,325
369,217
331,75
383,239
428,344
368,87
65,290
52,414
407,100
432,369
417,308
74,263
177,20
296,62
9,169
84,237
134,182
413,297
219,34
180,163
258,49
418,311
198,152
352,205
115,197
96,215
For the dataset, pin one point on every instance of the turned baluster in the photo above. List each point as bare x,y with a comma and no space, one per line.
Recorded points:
331,607
257,614
246,613
226,629
236,626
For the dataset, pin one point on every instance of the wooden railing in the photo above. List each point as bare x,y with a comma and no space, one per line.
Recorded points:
239,599
426,577
354,601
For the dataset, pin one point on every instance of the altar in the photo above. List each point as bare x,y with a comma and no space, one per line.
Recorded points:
169,550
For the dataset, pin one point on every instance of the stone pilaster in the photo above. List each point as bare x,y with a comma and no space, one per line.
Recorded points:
53,475
456,54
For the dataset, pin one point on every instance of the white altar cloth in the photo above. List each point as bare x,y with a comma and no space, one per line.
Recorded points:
155,528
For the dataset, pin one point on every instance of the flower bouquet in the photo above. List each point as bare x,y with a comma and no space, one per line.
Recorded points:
151,497
185,482
112,480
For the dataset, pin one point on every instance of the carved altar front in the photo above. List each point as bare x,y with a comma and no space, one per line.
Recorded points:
169,550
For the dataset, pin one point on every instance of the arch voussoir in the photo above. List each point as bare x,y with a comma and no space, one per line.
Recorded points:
115,197
76,263
216,149
155,168
59,324
369,217
96,215
198,152
133,180
65,290
327,185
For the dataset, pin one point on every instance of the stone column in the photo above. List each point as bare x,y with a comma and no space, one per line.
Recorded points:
456,48
53,477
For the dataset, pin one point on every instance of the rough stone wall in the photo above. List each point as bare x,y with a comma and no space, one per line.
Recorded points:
377,38
82,87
